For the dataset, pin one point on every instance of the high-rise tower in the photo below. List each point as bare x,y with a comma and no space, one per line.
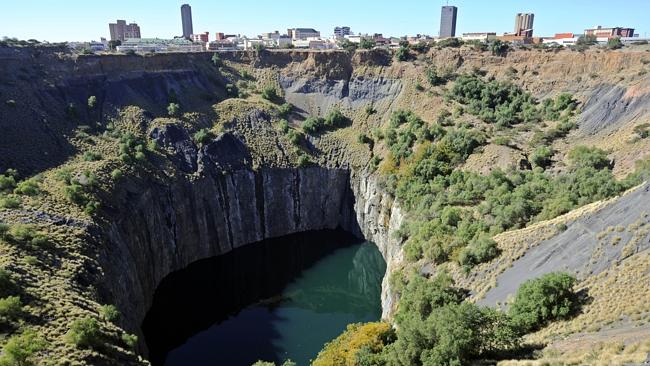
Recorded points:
186,17
524,24
448,21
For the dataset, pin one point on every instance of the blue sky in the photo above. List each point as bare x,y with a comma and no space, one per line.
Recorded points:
58,20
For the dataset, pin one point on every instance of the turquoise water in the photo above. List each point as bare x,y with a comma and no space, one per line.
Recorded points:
341,288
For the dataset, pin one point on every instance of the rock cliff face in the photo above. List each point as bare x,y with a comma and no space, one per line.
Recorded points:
163,228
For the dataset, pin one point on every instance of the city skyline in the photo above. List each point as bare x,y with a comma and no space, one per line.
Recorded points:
79,21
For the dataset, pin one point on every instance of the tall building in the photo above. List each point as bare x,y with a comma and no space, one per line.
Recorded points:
524,24
186,17
340,32
120,31
448,21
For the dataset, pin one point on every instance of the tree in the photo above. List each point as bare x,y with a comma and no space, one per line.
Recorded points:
402,54
85,333
367,43
270,93
20,349
347,45
499,48
203,136
542,300
542,157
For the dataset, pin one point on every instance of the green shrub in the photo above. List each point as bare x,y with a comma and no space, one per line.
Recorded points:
499,48
543,300
92,156
117,174
26,234
130,340
614,43
436,327
7,183
450,42
542,157
20,349
480,251
304,160
367,44
589,157
216,60
10,308
29,187
109,312
203,136
403,54
10,201
362,138
283,126
92,102
85,333
285,109
336,119
294,137
270,93
173,109
435,78
370,110
7,284
313,125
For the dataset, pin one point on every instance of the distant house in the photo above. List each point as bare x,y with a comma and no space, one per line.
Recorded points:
615,32
479,36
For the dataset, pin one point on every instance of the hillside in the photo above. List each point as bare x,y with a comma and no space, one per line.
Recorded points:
118,170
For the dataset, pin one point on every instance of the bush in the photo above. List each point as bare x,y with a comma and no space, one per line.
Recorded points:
543,300
7,285
29,187
283,126
285,109
542,157
117,174
203,136
7,183
403,54
614,43
367,44
435,78
20,349
356,339
294,137
216,60
304,160
92,156
336,119
10,308
130,340
173,109
109,312
482,250
499,48
643,130
26,234
85,333
10,202
313,125
92,102
450,42
592,157
270,93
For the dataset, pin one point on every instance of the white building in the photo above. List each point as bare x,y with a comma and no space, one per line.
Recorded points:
303,33
159,45
480,36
